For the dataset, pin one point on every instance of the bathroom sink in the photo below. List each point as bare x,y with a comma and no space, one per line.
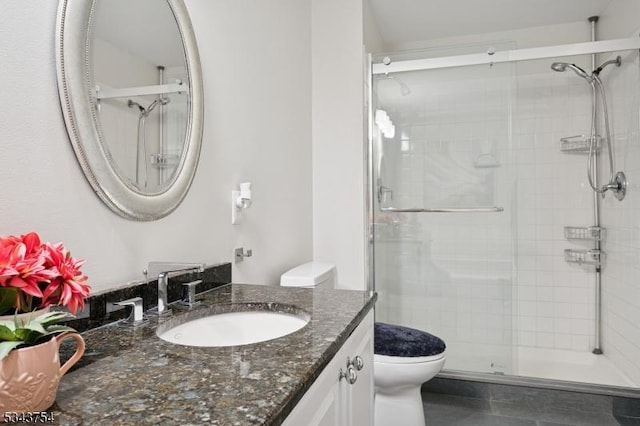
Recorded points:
234,328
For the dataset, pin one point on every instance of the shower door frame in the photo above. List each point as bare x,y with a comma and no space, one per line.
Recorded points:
516,55
488,58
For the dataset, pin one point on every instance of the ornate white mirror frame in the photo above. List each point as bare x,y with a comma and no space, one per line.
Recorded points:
79,105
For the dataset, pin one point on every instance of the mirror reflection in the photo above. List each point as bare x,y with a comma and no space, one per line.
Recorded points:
141,88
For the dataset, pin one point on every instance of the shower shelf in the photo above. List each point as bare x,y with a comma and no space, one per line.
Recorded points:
589,257
593,233
578,144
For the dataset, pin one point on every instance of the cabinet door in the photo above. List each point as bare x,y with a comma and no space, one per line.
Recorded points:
359,397
320,404
331,401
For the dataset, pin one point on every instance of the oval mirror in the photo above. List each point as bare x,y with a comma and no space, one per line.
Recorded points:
130,86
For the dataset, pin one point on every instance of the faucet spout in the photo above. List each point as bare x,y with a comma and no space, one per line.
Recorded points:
164,271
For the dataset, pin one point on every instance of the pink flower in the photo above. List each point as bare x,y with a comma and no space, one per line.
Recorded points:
69,287
30,269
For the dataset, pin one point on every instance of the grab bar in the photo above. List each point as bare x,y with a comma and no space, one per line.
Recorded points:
451,210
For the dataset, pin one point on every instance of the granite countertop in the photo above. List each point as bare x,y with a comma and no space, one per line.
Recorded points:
130,376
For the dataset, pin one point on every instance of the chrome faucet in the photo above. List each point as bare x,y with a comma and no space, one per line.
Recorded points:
165,270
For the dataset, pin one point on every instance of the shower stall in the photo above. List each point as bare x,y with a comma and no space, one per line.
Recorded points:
499,221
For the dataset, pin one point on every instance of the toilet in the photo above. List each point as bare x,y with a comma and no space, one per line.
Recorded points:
404,358
310,274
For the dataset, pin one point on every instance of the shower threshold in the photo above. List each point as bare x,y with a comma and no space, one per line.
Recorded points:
570,366
541,383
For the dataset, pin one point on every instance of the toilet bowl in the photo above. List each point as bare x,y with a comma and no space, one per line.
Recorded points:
404,359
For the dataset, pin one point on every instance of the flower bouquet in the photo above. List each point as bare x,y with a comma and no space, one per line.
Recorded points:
34,276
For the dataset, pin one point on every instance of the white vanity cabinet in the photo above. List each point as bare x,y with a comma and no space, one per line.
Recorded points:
335,399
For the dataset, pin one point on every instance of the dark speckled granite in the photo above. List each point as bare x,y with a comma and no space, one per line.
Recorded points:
130,376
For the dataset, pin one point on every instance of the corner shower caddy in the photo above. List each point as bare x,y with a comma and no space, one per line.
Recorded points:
584,233
591,233
586,257
579,144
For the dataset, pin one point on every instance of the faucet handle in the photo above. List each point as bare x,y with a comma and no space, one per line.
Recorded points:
189,294
136,317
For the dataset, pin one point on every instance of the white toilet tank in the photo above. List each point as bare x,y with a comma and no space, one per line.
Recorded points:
311,274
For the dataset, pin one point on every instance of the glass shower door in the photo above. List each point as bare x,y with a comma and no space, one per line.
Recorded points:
442,141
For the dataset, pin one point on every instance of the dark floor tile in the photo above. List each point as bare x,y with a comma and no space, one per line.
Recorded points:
443,410
457,387
477,404
493,420
628,421
564,417
627,407
537,399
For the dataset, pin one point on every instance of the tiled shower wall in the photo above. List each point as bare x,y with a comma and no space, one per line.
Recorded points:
452,274
620,284
555,298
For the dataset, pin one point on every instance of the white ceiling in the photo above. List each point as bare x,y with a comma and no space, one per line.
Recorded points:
401,21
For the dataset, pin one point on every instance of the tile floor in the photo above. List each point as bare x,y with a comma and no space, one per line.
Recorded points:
449,410
459,403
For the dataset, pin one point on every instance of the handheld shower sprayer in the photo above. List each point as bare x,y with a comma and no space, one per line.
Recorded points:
562,67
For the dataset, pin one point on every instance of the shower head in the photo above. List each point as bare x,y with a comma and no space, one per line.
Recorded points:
161,101
562,67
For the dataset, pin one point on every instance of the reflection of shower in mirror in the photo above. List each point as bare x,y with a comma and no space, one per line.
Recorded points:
141,143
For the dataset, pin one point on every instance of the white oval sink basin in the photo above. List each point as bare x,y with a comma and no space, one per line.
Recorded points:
234,328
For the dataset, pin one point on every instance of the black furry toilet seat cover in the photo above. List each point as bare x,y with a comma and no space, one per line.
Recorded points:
396,340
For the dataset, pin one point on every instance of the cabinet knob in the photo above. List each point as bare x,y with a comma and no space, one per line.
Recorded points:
350,375
357,362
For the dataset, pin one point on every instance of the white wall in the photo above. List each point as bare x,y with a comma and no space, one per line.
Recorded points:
338,138
620,285
619,20
526,37
372,38
257,69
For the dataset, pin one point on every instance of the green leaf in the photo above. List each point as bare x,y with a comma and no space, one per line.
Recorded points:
52,318
29,337
34,326
58,329
6,347
7,299
11,325
6,333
